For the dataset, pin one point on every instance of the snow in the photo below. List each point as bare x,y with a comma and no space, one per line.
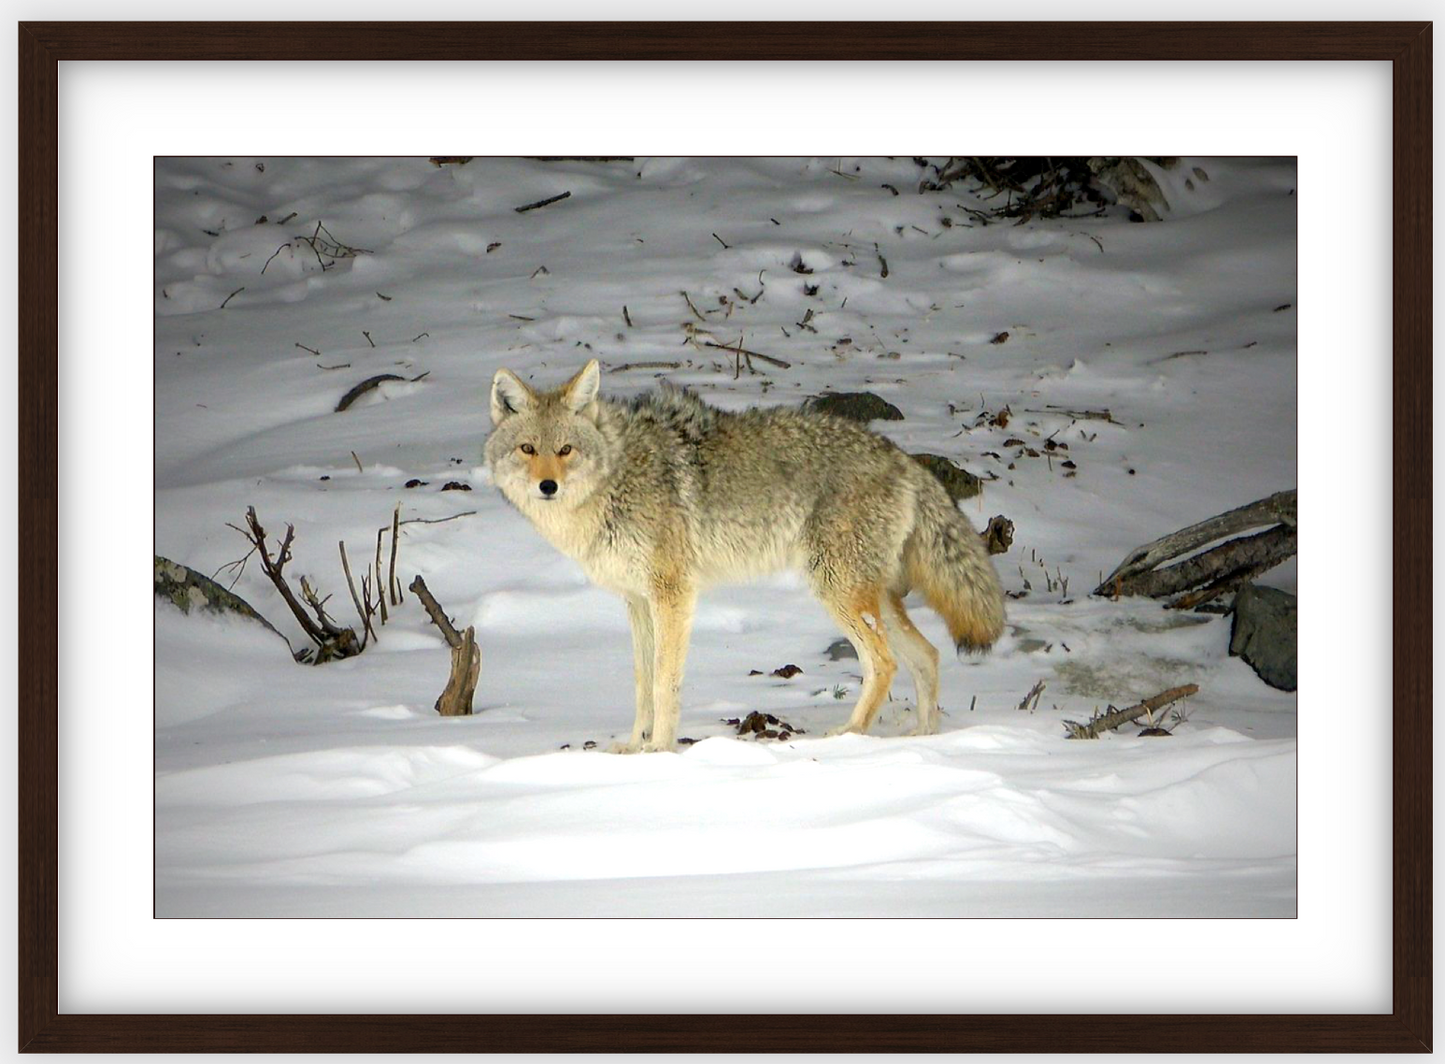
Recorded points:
288,790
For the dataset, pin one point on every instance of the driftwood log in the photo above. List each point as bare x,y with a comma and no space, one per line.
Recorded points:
456,699
1198,578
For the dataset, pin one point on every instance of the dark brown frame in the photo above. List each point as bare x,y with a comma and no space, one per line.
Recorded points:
1407,46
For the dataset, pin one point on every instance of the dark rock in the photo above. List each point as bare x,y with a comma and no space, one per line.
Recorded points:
1265,633
187,589
787,672
959,482
839,649
856,406
999,535
1131,185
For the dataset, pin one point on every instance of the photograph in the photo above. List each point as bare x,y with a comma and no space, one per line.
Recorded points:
884,537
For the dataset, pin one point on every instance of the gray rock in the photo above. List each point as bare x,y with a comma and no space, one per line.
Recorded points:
839,649
189,590
959,482
856,406
1265,633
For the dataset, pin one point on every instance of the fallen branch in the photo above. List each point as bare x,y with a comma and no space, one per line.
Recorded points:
541,203
1077,415
365,386
749,354
1115,717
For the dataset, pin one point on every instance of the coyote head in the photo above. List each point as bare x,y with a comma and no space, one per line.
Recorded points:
546,450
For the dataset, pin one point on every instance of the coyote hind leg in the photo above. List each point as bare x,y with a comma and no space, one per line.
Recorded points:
860,615
920,656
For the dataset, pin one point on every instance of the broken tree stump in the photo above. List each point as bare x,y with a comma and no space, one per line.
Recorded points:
1198,578
456,699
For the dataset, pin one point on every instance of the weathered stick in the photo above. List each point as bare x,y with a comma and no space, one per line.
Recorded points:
1111,720
456,699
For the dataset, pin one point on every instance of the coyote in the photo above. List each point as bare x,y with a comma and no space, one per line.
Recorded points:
660,497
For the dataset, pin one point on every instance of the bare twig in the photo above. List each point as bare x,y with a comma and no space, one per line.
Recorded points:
1031,700
434,520
368,632
357,460
380,598
230,297
644,365
278,251
626,317
696,313
311,349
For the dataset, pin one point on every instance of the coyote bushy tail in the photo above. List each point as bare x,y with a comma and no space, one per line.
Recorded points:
947,560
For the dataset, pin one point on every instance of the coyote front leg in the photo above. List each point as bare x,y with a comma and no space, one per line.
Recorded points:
643,653
671,611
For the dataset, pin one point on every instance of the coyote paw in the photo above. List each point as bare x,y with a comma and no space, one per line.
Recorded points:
846,729
626,748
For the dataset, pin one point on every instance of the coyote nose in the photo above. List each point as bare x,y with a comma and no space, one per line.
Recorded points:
549,487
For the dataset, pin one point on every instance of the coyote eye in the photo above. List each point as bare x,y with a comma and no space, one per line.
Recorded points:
527,448
565,451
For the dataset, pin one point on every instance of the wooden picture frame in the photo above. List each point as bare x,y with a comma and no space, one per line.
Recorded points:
1407,46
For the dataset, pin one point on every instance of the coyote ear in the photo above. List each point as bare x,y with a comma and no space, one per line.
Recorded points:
509,396
582,389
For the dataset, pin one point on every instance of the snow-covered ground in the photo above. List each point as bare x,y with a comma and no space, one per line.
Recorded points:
285,789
